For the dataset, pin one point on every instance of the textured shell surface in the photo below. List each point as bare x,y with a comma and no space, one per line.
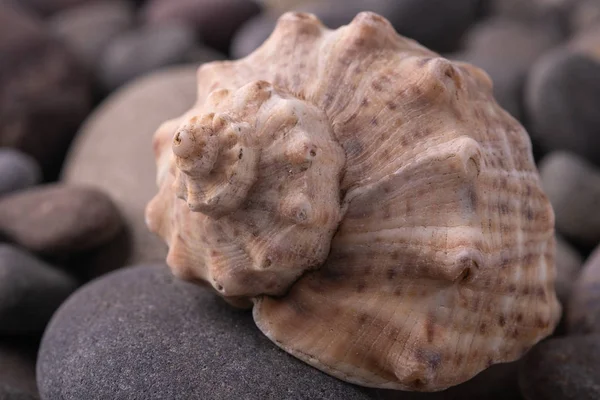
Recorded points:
368,198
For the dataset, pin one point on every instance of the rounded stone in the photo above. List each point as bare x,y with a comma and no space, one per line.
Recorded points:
562,99
573,187
562,369
17,171
215,20
44,91
59,219
583,314
30,291
17,369
505,49
113,152
148,48
568,264
140,333
46,7
89,28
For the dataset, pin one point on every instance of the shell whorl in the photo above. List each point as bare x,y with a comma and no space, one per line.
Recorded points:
389,225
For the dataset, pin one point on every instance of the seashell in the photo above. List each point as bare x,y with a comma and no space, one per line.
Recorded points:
369,199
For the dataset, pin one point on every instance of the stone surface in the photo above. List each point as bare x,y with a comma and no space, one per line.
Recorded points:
88,29
58,219
46,7
584,306
505,49
588,41
17,369
585,15
441,30
138,52
44,92
562,369
140,333
113,152
30,291
568,264
573,187
215,20
532,10
17,171
562,99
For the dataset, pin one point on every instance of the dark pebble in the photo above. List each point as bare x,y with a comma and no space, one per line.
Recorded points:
17,368
30,291
59,219
573,187
584,305
562,100
89,28
140,333
214,20
138,52
17,171
44,92
568,265
562,369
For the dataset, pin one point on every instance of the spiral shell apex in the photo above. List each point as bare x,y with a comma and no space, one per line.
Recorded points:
369,199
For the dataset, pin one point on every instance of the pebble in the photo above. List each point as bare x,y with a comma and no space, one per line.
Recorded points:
17,369
505,49
44,92
441,31
138,52
584,306
89,28
562,369
140,333
573,187
562,99
586,15
113,152
30,291
568,264
532,10
215,20
46,7
17,171
58,219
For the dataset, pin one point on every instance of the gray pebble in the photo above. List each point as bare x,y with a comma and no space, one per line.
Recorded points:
568,265
58,219
138,52
17,369
562,369
30,291
88,29
583,313
562,99
140,333
573,187
17,171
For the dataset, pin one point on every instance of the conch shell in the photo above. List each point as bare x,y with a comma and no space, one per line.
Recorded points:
370,199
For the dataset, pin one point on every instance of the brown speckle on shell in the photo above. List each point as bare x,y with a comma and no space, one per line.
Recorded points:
373,201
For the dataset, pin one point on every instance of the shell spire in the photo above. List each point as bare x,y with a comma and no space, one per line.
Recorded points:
368,198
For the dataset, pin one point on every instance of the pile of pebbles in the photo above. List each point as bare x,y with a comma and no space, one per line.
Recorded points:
88,308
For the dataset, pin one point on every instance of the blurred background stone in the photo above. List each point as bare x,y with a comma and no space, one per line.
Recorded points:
562,369
17,368
90,27
161,338
573,187
17,171
44,92
30,291
46,7
59,219
584,306
138,52
585,15
568,265
214,20
562,100
113,151
505,49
